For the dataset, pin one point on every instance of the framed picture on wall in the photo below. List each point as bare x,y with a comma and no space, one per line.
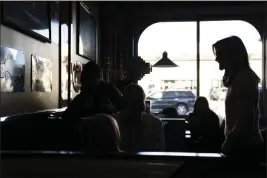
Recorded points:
41,80
12,70
76,76
32,18
86,32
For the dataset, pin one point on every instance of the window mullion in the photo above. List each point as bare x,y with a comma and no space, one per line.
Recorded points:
198,58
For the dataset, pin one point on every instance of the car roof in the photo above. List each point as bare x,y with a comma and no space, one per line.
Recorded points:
161,91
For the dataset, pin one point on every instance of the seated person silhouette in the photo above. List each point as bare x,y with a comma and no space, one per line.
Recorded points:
96,96
170,112
140,131
100,134
205,126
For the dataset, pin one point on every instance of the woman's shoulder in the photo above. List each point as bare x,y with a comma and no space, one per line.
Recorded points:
215,118
246,79
247,76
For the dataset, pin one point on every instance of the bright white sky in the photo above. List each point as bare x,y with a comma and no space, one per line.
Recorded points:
179,39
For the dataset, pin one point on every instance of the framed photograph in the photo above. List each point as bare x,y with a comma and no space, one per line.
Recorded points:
32,18
86,36
41,74
12,70
76,76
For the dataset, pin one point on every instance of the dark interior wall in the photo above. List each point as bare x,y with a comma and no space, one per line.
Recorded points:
17,103
14,103
94,9
116,35
107,15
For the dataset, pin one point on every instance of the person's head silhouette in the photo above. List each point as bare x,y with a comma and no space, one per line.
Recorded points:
134,99
91,75
100,134
201,105
232,56
231,53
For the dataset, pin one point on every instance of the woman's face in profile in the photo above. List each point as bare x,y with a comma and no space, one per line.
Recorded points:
220,59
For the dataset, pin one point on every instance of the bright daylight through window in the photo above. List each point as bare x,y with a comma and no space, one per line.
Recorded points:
176,87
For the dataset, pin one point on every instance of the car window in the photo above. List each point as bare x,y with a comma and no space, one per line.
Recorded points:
156,95
186,94
183,94
169,95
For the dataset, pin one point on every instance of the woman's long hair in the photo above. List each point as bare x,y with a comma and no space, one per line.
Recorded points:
201,105
233,50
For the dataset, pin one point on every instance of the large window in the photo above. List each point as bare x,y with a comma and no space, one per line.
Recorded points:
179,40
210,76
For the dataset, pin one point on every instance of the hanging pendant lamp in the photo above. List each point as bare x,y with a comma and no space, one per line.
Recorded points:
165,61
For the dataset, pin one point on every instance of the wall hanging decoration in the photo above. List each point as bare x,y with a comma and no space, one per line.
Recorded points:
32,18
76,76
12,71
41,74
86,36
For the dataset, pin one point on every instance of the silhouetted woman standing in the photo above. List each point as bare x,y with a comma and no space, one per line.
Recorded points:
242,132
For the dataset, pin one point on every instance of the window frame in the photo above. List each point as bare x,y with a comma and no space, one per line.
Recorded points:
264,56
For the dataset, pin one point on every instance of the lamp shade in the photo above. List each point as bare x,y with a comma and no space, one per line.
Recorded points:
165,61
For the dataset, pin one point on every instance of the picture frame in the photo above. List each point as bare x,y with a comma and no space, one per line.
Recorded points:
86,29
41,74
76,76
12,70
27,15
